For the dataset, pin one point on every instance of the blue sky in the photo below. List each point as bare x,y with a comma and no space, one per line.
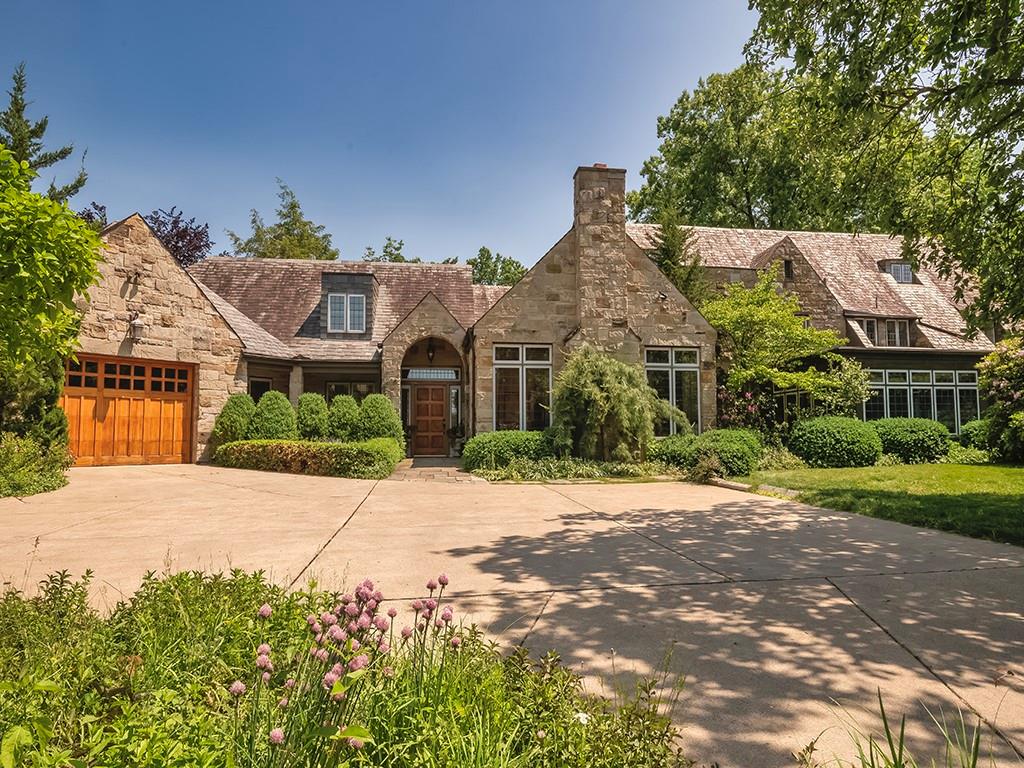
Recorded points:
449,124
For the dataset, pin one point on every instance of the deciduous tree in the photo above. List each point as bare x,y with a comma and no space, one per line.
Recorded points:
495,269
391,251
292,236
187,240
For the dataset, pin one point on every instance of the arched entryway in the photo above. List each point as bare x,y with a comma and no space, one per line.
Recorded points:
433,386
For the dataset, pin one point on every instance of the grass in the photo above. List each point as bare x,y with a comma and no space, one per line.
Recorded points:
984,502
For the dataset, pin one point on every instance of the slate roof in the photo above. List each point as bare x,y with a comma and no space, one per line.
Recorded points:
274,297
849,266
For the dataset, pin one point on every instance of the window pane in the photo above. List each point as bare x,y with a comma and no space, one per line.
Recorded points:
876,377
968,405
361,389
661,383
454,407
686,357
357,313
899,403
538,398
109,368
657,356
967,377
538,354
404,406
922,402
687,394
945,407
335,313
943,377
896,377
874,408
336,388
871,329
91,366
507,354
257,388
506,398
921,377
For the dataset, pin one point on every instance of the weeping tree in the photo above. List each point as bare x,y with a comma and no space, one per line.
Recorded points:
604,409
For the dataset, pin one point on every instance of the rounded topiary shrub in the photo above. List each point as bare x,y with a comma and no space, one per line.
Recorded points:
311,416
494,450
835,441
378,418
913,441
676,450
232,423
738,450
343,418
975,434
274,419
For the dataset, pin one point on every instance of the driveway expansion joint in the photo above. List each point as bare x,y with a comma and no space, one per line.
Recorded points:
927,667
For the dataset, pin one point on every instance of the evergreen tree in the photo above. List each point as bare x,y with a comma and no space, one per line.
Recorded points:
678,257
25,139
292,236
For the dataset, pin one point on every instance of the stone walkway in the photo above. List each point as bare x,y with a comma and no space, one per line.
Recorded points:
433,470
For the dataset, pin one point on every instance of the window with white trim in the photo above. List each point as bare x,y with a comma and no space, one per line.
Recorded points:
897,333
949,397
346,313
522,386
674,373
901,271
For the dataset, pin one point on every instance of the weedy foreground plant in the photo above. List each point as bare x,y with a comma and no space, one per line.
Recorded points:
211,670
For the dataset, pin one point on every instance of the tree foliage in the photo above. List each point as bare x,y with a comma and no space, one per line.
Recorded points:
292,236
49,256
956,68
495,269
24,138
1001,378
678,257
604,409
391,251
187,240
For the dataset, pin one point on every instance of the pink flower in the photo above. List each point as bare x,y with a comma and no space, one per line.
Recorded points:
352,610
363,621
263,650
263,662
356,645
443,579
355,743
328,618
237,688
319,639
352,627
316,629
266,677
322,654
392,612
378,596
289,683
456,641
446,614
432,585
336,633
383,647
381,623
359,662
277,736
283,702
311,619
438,623
417,605
406,632
371,605
329,680
264,611
388,672
431,604
346,599
339,696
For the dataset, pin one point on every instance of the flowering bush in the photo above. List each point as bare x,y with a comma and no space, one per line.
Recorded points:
1001,377
373,459
192,664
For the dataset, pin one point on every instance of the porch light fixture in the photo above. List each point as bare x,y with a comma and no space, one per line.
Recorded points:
136,327
430,350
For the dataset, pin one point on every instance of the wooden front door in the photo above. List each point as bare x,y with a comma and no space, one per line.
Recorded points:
128,411
428,418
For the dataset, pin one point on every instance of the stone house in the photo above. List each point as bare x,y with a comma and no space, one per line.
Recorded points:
162,348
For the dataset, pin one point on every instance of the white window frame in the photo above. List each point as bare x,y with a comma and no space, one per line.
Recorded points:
522,364
672,366
956,386
901,269
902,332
345,299
872,323
261,379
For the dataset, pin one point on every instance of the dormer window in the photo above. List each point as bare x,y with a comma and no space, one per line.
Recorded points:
901,271
346,313
897,333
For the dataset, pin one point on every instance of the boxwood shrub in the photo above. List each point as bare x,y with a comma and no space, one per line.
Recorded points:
913,441
232,423
676,450
372,459
494,450
378,418
737,450
273,419
976,434
343,418
311,416
835,441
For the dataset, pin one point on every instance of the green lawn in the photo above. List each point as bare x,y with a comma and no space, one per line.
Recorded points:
986,502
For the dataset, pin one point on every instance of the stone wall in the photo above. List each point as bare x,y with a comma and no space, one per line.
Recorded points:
180,324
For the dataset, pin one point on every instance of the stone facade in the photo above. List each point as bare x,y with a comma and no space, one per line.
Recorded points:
138,275
595,286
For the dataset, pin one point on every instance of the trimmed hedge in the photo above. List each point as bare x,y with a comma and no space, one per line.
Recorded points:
27,467
378,418
371,459
232,423
494,450
343,418
913,441
976,434
835,441
274,419
311,416
738,450
676,450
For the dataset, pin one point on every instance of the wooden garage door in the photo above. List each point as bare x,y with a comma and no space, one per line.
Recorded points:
127,411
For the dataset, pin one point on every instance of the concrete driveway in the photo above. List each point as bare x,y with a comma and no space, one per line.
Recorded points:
776,613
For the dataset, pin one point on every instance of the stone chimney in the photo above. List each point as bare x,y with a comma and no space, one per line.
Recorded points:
599,220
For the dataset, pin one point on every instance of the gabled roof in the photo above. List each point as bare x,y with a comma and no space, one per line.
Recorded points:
277,296
849,266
